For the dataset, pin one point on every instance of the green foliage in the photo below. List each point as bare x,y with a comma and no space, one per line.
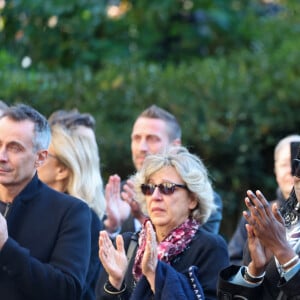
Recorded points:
229,70
233,111
53,33
76,33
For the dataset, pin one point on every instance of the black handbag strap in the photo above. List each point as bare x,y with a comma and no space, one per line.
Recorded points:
132,246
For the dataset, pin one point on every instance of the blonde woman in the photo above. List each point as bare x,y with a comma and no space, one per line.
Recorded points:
73,167
175,258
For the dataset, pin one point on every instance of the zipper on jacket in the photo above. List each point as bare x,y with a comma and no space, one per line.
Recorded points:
6,210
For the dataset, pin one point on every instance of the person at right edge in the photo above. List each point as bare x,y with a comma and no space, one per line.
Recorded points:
271,261
283,173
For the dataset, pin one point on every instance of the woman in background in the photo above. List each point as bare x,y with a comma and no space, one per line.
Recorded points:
73,167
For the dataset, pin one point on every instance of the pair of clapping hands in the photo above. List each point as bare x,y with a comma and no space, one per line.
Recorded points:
114,259
119,204
266,233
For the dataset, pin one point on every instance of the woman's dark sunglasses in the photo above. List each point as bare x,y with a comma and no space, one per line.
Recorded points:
166,188
296,167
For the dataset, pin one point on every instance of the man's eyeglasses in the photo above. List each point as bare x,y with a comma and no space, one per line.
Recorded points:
296,167
166,188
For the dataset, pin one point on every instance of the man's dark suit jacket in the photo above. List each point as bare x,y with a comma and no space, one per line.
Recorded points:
47,253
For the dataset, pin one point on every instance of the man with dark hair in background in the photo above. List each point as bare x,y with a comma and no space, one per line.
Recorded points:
153,131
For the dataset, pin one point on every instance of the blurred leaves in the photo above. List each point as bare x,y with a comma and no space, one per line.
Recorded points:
94,33
229,70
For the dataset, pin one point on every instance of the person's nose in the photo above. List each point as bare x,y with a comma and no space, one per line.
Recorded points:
143,145
3,154
157,194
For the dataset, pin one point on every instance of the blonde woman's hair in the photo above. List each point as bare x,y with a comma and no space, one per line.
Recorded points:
191,170
79,153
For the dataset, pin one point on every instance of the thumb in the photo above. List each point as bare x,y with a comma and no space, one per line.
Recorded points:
277,214
250,232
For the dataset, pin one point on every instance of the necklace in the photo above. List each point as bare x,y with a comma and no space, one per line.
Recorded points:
290,210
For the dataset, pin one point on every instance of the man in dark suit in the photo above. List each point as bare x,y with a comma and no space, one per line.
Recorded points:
153,131
44,234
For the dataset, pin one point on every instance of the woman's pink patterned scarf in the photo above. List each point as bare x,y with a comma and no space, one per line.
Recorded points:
175,243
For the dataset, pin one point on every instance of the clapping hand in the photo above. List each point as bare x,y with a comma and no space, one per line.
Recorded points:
266,231
128,195
113,259
149,261
117,210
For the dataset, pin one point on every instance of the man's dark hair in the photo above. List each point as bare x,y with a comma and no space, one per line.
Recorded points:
155,112
72,118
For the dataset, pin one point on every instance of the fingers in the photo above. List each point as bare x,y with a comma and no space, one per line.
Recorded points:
113,186
151,240
102,234
250,220
250,232
134,205
120,243
104,240
104,246
130,184
263,200
150,237
262,217
128,193
114,179
108,191
247,216
116,184
257,199
277,214
128,198
150,232
257,204
150,255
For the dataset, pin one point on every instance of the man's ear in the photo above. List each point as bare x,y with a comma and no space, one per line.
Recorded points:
41,158
176,142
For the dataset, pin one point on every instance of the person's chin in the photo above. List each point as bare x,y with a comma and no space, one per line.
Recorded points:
138,164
